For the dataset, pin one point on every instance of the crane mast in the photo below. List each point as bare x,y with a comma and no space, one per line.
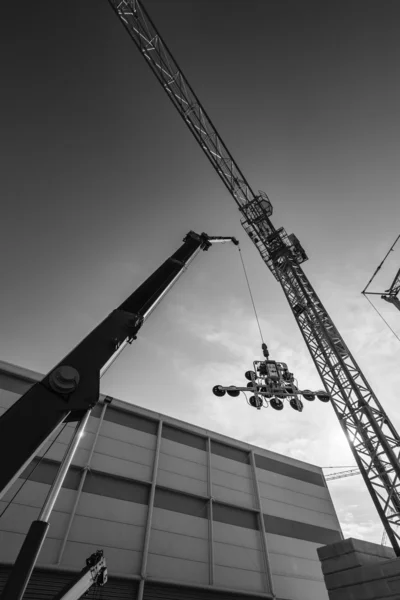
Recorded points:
372,437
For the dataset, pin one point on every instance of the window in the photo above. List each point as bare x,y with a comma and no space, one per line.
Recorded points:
183,503
230,452
103,484
301,531
128,419
282,468
234,516
183,437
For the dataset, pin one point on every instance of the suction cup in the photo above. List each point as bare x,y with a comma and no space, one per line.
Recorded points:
233,393
218,391
323,396
256,402
276,403
296,404
250,375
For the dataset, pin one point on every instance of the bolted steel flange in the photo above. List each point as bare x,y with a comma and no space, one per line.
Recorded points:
64,379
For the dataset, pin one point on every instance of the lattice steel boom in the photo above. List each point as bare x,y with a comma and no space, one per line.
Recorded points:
392,294
342,474
372,437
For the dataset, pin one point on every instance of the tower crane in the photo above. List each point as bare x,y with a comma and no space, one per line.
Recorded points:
341,474
351,473
391,295
371,435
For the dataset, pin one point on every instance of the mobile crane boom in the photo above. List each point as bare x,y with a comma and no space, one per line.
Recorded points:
72,386
71,389
372,437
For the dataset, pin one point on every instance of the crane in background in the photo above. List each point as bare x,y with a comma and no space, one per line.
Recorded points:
372,437
391,294
350,473
342,474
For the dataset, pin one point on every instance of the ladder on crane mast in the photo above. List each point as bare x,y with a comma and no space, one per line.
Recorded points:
373,440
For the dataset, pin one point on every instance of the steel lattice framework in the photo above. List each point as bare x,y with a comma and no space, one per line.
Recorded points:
373,439
392,294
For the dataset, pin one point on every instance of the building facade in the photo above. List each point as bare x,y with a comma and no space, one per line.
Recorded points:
180,511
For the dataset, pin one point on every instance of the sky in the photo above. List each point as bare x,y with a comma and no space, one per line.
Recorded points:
101,181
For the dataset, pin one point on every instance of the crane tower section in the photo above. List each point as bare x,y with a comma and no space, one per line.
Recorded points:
373,439
392,294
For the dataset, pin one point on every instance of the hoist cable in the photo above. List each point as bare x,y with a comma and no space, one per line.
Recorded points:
251,295
380,266
382,317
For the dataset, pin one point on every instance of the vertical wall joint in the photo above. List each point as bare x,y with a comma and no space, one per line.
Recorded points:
210,514
263,534
149,520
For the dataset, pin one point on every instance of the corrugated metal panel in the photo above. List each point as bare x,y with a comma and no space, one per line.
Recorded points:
45,585
158,591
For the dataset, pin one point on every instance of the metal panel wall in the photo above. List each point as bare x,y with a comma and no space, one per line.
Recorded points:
46,584
167,503
299,588
162,591
178,547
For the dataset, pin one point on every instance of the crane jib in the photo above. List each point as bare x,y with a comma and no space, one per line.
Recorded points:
372,437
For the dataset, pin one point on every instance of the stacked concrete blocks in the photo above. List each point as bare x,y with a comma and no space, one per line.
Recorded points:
358,570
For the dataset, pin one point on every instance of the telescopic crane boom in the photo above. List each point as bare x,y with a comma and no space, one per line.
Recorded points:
71,389
72,386
372,437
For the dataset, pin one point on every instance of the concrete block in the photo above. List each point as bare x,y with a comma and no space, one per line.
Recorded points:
352,578
390,568
365,591
337,564
344,594
378,588
336,549
362,574
359,570
353,545
394,586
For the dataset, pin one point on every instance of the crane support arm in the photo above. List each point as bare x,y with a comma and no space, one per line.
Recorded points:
95,573
72,387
